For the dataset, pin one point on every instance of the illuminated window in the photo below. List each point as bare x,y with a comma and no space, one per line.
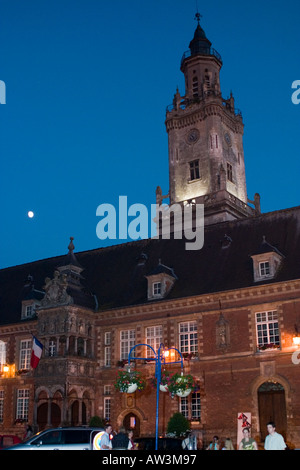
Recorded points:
127,340
2,355
22,404
190,406
25,354
153,338
188,337
1,405
107,408
267,329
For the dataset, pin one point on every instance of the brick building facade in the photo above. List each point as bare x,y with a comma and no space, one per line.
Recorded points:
231,308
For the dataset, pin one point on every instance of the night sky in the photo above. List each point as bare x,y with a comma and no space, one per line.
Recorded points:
87,86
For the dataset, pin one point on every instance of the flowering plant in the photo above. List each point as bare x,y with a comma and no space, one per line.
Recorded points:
165,379
126,378
189,356
263,347
180,383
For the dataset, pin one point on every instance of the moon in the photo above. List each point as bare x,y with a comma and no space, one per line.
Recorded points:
30,214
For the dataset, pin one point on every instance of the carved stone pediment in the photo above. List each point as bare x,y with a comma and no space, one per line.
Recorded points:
56,291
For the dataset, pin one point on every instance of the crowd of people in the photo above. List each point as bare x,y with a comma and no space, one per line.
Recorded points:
121,440
273,441
124,440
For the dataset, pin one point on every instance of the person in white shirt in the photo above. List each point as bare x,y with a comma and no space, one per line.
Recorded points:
274,441
105,439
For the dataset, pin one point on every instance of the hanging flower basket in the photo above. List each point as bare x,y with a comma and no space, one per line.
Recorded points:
129,382
166,378
181,385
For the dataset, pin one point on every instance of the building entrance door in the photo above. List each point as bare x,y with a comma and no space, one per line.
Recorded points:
272,407
131,421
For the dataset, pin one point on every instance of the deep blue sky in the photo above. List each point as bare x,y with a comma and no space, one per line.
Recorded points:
88,82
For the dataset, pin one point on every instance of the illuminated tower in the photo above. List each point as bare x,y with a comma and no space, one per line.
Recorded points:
205,131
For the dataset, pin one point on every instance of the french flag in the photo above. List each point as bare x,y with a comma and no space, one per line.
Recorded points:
36,353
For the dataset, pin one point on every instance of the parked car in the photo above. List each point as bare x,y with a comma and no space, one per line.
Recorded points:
171,444
7,440
68,438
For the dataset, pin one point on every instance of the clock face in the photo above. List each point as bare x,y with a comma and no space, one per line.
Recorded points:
227,138
193,136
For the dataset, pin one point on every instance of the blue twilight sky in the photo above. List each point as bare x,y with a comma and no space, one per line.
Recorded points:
87,85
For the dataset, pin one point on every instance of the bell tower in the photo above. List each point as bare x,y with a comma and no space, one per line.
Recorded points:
205,134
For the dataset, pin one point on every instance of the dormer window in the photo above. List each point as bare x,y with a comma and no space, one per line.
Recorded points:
156,289
266,262
264,268
160,281
28,309
31,299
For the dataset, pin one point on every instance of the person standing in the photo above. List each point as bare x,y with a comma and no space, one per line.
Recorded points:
228,444
274,441
105,443
190,442
131,443
120,440
214,445
247,443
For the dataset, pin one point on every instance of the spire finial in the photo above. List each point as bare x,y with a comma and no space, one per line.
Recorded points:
71,246
198,16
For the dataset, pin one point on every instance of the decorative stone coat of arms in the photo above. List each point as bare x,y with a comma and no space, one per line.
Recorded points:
56,291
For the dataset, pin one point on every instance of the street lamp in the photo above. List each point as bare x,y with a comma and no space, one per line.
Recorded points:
163,356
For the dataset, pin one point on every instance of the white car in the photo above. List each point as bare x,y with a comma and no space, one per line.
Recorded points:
69,438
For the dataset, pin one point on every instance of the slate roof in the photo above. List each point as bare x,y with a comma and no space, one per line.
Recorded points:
116,274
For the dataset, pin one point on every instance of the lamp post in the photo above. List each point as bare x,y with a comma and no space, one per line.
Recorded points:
160,358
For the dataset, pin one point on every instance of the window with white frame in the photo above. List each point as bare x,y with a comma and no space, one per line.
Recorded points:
190,406
22,404
107,356
156,288
264,268
107,349
127,341
52,348
267,329
2,355
28,310
25,354
188,337
107,408
1,405
107,338
153,338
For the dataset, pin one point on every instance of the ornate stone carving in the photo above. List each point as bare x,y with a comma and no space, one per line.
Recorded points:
56,291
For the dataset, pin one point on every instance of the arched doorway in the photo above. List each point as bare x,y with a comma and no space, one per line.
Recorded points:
55,415
42,415
75,413
272,407
131,421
